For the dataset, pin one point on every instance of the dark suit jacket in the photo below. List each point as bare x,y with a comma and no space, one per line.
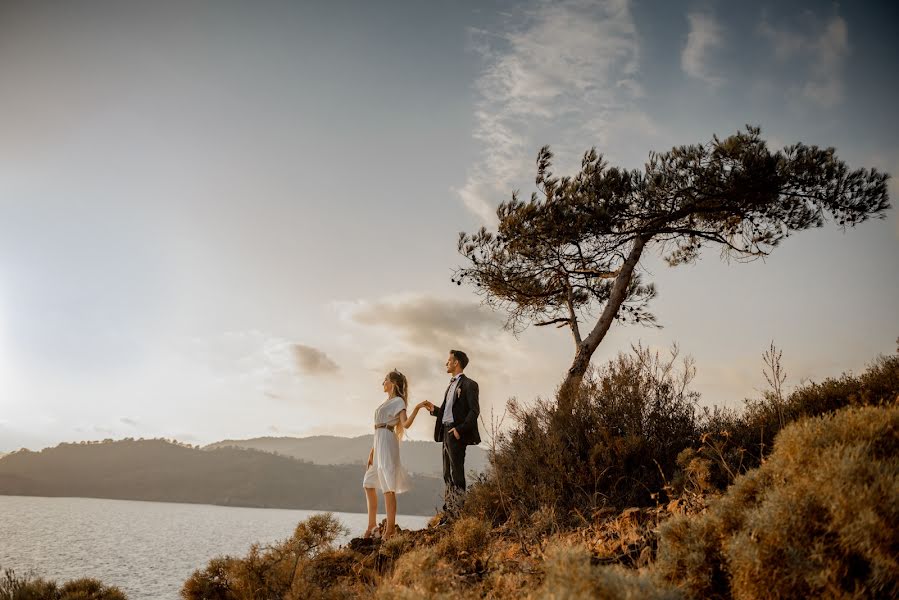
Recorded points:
466,408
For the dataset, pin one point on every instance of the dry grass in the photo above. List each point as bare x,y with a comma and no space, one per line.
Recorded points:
572,575
818,519
734,442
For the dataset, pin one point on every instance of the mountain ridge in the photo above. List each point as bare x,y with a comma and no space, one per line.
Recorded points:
163,471
418,456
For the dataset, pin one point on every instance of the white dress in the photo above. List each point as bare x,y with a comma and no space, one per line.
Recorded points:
386,472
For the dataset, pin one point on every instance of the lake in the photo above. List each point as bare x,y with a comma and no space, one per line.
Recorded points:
148,549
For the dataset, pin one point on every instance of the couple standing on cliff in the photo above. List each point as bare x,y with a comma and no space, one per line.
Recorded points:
456,428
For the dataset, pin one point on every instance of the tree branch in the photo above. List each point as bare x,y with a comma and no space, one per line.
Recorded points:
564,320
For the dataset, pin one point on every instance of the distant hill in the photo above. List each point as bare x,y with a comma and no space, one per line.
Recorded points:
161,471
418,457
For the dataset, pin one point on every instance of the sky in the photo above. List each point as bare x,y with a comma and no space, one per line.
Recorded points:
230,219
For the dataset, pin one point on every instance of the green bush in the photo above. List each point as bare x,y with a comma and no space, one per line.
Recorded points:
817,519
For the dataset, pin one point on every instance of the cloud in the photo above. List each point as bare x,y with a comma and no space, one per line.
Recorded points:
254,360
311,361
703,39
822,48
418,330
128,421
428,321
562,74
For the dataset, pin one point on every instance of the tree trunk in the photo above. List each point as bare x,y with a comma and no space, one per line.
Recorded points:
586,348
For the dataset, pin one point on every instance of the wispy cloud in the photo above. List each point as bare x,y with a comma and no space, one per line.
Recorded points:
561,74
823,48
705,38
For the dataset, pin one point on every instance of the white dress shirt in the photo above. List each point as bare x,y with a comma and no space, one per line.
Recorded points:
450,396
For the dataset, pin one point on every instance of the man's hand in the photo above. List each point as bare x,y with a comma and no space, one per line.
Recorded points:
428,405
455,433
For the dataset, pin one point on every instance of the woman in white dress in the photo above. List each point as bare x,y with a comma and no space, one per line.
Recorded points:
385,470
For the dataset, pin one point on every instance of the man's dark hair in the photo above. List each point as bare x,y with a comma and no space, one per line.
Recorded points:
461,357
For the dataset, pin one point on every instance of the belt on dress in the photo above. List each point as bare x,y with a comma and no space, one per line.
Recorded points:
384,426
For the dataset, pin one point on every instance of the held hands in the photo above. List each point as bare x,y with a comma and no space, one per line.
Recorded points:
426,404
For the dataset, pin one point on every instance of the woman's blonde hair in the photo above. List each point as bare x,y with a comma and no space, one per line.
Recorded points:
401,389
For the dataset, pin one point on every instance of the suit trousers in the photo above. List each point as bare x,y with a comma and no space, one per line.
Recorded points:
453,469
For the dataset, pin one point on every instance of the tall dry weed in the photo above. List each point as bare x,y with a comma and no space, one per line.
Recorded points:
736,441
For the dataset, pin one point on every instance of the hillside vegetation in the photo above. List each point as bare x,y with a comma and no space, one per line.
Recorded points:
158,470
637,493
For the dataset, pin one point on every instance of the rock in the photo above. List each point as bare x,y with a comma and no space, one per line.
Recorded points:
364,545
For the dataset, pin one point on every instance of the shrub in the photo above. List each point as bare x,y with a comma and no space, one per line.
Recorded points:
735,442
213,582
419,573
571,576
397,545
617,446
817,519
14,587
88,589
468,536
276,571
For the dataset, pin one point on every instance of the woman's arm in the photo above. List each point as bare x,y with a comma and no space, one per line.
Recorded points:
407,423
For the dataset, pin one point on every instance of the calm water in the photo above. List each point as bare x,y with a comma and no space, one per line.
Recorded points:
147,549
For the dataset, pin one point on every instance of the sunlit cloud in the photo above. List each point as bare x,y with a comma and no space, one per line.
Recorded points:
418,330
312,361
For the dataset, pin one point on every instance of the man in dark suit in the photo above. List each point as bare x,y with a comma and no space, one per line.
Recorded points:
456,426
